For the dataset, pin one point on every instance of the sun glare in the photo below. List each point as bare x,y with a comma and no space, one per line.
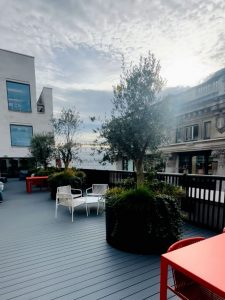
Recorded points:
184,72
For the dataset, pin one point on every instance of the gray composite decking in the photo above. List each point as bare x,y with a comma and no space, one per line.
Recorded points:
46,258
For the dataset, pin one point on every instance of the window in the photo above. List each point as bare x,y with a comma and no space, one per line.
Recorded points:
21,135
18,95
191,133
125,164
207,130
178,135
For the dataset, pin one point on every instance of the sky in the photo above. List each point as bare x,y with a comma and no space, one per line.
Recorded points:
78,44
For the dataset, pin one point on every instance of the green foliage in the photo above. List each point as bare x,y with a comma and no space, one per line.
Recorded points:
154,162
67,177
46,172
137,121
128,183
142,221
161,187
113,195
80,174
42,148
65,127
168,218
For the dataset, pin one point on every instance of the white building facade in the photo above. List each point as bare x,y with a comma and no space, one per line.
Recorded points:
21,114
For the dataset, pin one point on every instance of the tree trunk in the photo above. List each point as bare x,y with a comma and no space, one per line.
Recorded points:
66,164
139,171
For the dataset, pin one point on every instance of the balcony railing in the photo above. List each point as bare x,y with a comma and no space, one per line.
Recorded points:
204,201
112,178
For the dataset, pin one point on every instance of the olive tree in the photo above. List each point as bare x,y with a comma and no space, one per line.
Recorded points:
42,148
65,127
137,122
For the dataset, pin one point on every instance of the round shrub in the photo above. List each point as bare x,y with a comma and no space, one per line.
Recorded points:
141,221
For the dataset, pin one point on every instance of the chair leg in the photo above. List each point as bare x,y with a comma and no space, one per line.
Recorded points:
87,209
98,208
56,208
72,209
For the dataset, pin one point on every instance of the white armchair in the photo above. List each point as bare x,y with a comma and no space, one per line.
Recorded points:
98,190
65,197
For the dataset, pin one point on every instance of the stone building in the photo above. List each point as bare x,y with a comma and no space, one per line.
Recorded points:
21,114
198,139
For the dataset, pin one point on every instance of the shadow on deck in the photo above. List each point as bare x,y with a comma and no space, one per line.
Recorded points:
46,258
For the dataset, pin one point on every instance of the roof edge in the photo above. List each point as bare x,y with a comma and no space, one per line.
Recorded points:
16,53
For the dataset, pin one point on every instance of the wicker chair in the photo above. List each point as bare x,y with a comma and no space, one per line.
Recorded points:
65,197
184,287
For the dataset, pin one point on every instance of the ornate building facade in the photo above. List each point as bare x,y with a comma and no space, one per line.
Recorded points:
198,139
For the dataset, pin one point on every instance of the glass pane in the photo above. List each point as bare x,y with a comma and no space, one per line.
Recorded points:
195,134
18,96
21,135
188,133
207,130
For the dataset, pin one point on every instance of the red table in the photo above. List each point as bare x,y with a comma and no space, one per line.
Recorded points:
35,180
204,262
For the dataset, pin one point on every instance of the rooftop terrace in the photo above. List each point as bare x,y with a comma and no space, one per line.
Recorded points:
46,258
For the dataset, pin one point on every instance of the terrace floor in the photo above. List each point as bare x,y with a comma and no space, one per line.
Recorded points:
46,258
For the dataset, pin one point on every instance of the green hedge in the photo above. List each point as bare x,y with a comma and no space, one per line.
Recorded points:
142,221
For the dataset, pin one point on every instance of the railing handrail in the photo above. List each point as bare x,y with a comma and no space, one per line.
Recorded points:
192,175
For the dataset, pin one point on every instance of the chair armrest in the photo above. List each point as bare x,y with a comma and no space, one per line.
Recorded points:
77,190
87,190
77,193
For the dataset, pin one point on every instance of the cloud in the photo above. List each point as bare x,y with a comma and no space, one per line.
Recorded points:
78,44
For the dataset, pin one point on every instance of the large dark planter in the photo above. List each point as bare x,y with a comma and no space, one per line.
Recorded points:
143,231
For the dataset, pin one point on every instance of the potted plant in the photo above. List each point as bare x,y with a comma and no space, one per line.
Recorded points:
142,220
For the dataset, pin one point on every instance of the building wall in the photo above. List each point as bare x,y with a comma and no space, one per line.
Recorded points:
196,106
20,68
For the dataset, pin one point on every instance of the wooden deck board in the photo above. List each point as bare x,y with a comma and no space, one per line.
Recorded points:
46,258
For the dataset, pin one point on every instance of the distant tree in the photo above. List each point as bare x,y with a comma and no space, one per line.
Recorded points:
42,148
137,122
65,127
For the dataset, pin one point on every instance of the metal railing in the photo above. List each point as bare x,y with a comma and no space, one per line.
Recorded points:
112,178
204,201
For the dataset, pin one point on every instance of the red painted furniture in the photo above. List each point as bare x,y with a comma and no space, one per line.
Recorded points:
203,262
35,180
